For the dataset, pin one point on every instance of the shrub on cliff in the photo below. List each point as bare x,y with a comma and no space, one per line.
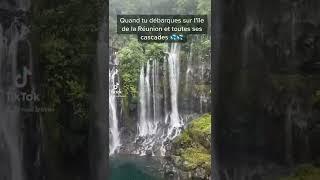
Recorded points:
192,149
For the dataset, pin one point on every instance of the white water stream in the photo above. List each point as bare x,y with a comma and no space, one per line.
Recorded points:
114,134
153,127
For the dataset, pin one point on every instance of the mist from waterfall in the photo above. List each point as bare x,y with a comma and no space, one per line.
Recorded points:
158,124
10,125
114,134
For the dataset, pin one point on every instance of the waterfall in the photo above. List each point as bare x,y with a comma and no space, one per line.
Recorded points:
142,125
189,67
114,134
153,127
148,120
10,125
165,92
155,85
202,98
147,126
174,70
148,101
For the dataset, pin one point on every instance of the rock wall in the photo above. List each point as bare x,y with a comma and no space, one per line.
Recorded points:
267,85
20,125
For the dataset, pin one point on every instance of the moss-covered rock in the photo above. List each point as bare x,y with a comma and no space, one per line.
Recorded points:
200,130
305,172
192,149
196,157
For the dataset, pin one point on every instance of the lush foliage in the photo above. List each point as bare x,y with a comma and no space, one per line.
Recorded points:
204,6
192,147
132,58
67,31
67,49
202,125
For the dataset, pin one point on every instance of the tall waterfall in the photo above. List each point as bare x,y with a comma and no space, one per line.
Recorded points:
202,98
148,123
189,67
10,125
154,128
174,70
114,135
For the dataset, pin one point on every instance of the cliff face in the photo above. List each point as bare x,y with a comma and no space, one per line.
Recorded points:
20,152
189,155
268,84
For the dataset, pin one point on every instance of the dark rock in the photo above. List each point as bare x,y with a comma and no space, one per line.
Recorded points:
149,153
200,174
169,171
266,81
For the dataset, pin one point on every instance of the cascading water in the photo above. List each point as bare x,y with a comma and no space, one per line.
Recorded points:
155,91
148,119
10,125
189,67
174,70
154,128
202,98
114,134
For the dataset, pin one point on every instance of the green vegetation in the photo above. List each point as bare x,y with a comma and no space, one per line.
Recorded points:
66,40
204,7
201,126
196,157
132,57
192,148
133,54
305,172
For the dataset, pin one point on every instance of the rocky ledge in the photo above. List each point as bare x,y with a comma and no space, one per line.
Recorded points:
189,155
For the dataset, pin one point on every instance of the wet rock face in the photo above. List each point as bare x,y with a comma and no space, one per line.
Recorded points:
15,4
268,77
188,156
4,160
16,45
